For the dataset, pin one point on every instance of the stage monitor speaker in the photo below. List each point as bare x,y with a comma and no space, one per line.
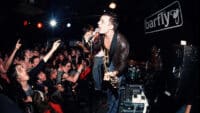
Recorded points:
133,99
185,66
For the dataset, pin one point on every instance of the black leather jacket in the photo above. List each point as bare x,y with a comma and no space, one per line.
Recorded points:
119,52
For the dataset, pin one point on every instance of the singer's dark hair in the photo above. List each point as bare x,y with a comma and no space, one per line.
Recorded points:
113,18
87,28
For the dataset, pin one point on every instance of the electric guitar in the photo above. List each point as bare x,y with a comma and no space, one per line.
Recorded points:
109,76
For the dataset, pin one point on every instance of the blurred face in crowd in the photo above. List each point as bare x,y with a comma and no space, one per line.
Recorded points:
24,65
60,88
78,52
85,63
22,74
53,74
42,76
73,52
36,61
65,53
36,53
28,54
67,67
61,57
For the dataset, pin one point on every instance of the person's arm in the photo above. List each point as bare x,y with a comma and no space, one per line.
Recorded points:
53,49
188,108
33,72
75,77
121,55
10,59
85,49
85,73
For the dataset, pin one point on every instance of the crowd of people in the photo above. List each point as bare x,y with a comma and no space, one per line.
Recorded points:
36,78
58,79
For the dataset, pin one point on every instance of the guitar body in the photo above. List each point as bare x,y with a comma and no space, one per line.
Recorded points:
111,80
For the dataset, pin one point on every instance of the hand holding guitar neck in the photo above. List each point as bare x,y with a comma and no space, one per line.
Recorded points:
112,78
109,75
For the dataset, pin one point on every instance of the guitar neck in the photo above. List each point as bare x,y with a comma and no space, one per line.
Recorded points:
105,60
105,67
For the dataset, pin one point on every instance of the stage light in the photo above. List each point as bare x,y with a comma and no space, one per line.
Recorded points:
39,25
183,42
25,23
112,5
53,23
68,25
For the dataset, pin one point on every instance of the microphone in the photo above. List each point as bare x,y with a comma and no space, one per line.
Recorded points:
95,31
94,34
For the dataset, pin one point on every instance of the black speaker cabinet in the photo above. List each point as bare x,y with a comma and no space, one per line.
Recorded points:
184,71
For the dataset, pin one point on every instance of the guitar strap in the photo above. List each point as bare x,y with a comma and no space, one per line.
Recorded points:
110,53
113,47
109,64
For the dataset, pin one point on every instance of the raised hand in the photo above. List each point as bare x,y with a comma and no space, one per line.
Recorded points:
53,49
106,76
80,68
18,44
56,44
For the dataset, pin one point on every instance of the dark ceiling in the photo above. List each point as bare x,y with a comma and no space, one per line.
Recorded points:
68,8
80,12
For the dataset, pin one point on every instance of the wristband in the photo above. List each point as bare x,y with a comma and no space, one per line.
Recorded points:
79,72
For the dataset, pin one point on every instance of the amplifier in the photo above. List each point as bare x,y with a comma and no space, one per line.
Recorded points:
132,99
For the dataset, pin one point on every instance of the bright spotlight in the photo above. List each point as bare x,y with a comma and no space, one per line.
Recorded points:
183,42
112,5
25,22
68,25
53,23
39,25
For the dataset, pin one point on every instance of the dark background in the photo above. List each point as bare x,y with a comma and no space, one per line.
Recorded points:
81,12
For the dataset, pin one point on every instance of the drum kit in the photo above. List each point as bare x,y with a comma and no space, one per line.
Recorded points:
134,71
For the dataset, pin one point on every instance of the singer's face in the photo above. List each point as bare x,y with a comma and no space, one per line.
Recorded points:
104,24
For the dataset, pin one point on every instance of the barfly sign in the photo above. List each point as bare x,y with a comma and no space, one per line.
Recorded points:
167,18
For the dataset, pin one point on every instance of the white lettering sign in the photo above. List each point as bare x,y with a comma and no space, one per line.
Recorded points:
167,18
